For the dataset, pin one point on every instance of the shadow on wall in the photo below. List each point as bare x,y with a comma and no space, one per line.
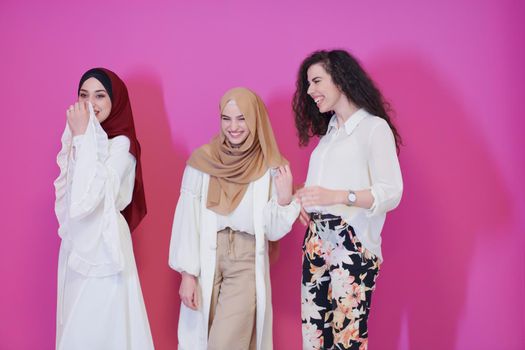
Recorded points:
163,165
428,241
286,273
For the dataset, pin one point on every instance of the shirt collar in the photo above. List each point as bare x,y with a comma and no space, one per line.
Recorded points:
351,123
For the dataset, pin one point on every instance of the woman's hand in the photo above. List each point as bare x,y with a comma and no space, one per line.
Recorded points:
320,196
78,117
284,185
188,291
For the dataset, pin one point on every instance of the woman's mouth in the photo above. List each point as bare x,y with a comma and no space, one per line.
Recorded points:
235,134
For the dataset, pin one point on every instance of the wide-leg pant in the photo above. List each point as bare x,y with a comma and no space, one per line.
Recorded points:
337,285
233,304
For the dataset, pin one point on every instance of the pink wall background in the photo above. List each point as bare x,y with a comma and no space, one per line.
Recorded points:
454,271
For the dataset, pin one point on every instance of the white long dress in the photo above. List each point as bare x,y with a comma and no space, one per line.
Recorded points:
100,304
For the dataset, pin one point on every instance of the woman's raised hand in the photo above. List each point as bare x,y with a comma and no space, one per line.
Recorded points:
283,184
78,117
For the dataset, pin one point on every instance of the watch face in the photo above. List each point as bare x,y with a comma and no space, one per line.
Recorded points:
352,197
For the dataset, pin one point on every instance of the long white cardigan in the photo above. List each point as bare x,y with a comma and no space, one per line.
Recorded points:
197,255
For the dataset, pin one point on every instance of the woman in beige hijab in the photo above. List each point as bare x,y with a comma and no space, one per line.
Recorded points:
236,195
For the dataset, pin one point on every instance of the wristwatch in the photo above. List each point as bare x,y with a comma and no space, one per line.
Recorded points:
351,197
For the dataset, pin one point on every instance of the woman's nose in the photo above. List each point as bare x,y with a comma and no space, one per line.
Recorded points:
310,89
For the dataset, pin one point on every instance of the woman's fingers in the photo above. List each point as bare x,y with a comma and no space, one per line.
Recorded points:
191,304
190,301
188,291
310,196
304,195
82,107
304,218
196,298
283,171
69,112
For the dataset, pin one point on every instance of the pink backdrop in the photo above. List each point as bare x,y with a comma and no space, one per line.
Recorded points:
454,271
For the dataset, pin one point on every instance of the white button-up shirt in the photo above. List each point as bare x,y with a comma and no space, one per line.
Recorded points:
359,155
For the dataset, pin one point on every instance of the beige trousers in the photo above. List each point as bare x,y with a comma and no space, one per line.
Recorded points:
233,303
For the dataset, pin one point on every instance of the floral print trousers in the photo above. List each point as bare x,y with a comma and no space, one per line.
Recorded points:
337,285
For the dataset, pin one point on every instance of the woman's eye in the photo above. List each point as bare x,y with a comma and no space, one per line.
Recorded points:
101,96
82,95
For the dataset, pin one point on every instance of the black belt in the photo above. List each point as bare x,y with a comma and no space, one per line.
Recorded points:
316,216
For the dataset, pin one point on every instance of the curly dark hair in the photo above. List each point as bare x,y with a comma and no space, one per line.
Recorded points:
351,79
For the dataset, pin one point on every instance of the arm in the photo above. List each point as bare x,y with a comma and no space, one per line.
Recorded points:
281,210
94,241
184,254
316,195
385,173
97,167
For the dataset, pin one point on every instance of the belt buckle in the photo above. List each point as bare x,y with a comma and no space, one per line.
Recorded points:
315,216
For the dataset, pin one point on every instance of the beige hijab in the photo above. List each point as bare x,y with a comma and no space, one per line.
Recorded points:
232,169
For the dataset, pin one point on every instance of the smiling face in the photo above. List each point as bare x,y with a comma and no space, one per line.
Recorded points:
233,124
326,95
93,91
